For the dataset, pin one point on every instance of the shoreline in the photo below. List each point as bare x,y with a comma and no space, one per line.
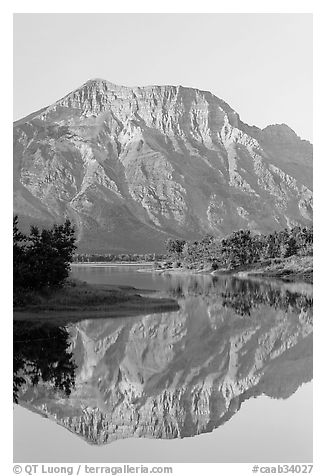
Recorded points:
110,263
78,300
293,269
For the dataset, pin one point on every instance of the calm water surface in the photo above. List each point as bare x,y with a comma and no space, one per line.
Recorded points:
226,378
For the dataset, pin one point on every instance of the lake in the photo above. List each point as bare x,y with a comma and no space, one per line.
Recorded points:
226,378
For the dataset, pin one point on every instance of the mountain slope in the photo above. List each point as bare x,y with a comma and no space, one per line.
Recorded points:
132,166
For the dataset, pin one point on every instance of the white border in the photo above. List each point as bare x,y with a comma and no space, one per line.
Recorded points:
168,6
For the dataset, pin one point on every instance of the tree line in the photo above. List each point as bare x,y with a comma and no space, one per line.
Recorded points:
121,257
242,247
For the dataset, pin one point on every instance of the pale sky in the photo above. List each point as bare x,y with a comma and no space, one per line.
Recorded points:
260,64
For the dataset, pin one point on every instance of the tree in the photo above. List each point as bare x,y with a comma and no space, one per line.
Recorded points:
43,257
237,249
174,247
19,263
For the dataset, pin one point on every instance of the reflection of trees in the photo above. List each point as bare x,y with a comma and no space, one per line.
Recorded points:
247,295
41,353
181,287
242,295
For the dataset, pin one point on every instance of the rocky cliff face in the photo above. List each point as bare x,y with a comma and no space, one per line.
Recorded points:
180,374
132,166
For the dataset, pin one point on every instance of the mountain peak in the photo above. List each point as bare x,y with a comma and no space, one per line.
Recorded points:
134,165
99,83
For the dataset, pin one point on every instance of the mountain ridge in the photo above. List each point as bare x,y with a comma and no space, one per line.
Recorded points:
132,166
97,81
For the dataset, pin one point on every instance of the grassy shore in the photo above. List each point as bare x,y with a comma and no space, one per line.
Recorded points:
78,300
293,269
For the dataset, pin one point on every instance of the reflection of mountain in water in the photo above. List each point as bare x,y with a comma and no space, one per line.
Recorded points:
183,373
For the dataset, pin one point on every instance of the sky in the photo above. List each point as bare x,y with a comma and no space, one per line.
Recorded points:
260,64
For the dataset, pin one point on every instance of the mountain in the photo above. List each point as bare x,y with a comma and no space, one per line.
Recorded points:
134,166
183,373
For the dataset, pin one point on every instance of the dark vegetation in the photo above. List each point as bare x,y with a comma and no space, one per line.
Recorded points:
41,260
240,249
